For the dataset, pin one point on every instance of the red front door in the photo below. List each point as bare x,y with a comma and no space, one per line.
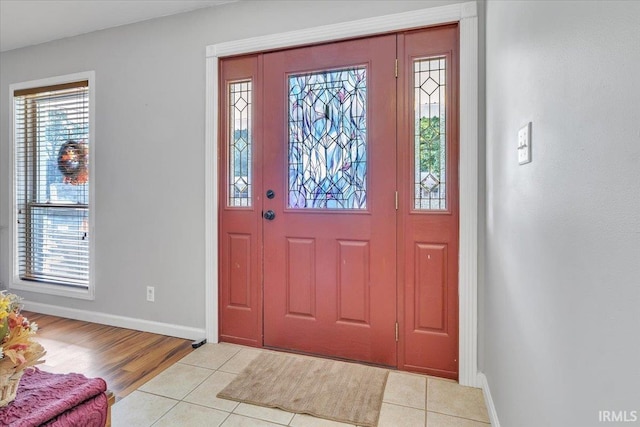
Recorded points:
339,200
329,157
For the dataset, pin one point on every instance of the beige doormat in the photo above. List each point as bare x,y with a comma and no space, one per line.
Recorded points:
339,391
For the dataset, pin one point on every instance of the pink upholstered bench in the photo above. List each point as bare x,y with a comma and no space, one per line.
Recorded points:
58,400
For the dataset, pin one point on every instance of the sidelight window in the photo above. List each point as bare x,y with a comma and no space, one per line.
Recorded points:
430,152
240,144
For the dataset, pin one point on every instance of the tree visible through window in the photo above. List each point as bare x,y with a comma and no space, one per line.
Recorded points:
52,183
430,158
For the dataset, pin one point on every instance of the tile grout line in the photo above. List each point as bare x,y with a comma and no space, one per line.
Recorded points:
263,419
166,412
426,402
157,395
260,419
459,417
189,392
205,406
225,418
403,406
199,384
199,366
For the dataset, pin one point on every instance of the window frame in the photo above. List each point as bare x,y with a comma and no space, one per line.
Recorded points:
16,282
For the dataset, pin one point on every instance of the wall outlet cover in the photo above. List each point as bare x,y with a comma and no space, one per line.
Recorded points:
151,293
524,144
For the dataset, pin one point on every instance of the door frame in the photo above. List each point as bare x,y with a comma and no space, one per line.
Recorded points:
463,13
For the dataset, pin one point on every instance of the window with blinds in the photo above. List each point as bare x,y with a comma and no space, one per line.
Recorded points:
51,167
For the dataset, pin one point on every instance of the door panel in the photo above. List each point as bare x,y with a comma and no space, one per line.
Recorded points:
240,268
430,291
301,277
329,253
428,214
353,282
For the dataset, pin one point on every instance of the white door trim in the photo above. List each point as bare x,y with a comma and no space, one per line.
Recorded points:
466,15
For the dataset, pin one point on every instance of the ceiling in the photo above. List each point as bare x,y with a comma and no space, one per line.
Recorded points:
29,22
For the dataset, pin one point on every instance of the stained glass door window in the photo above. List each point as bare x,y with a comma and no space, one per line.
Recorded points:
240,145
430,152
327,139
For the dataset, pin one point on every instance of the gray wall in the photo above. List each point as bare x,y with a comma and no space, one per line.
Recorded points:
562,285
150,95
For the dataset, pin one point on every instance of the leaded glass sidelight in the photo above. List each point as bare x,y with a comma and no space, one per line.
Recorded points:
327,139
240,144
430,153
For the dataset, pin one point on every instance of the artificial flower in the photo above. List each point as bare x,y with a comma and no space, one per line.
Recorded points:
17,348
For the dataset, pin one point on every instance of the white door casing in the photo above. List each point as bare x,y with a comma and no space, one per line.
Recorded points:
463,13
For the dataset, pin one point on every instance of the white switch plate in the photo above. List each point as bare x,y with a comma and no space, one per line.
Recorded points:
524,144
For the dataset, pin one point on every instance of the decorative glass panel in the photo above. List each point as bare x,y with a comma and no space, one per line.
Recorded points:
430,154
240,147
327,139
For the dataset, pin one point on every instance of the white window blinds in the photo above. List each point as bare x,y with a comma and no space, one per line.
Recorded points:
52,183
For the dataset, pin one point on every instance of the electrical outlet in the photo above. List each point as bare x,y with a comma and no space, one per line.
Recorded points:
524,144
151,293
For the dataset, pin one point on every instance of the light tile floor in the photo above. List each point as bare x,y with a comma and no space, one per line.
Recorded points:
184,395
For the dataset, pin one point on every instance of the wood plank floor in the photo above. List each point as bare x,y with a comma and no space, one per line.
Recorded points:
124,358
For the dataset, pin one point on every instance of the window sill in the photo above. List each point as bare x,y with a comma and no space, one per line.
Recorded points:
50,289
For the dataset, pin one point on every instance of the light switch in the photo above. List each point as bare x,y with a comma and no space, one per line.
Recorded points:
524,144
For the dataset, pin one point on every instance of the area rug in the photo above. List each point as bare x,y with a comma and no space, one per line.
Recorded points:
339,391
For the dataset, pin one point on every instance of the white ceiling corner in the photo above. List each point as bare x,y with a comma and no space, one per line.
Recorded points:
30,22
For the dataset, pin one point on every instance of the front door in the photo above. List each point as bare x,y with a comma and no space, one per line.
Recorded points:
339,200
330,229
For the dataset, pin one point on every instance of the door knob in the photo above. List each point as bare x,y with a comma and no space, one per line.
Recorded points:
271,194
269,215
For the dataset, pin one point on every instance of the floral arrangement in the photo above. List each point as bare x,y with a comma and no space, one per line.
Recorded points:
17,348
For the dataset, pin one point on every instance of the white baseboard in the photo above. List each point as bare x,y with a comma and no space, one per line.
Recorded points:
493,415
119,321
